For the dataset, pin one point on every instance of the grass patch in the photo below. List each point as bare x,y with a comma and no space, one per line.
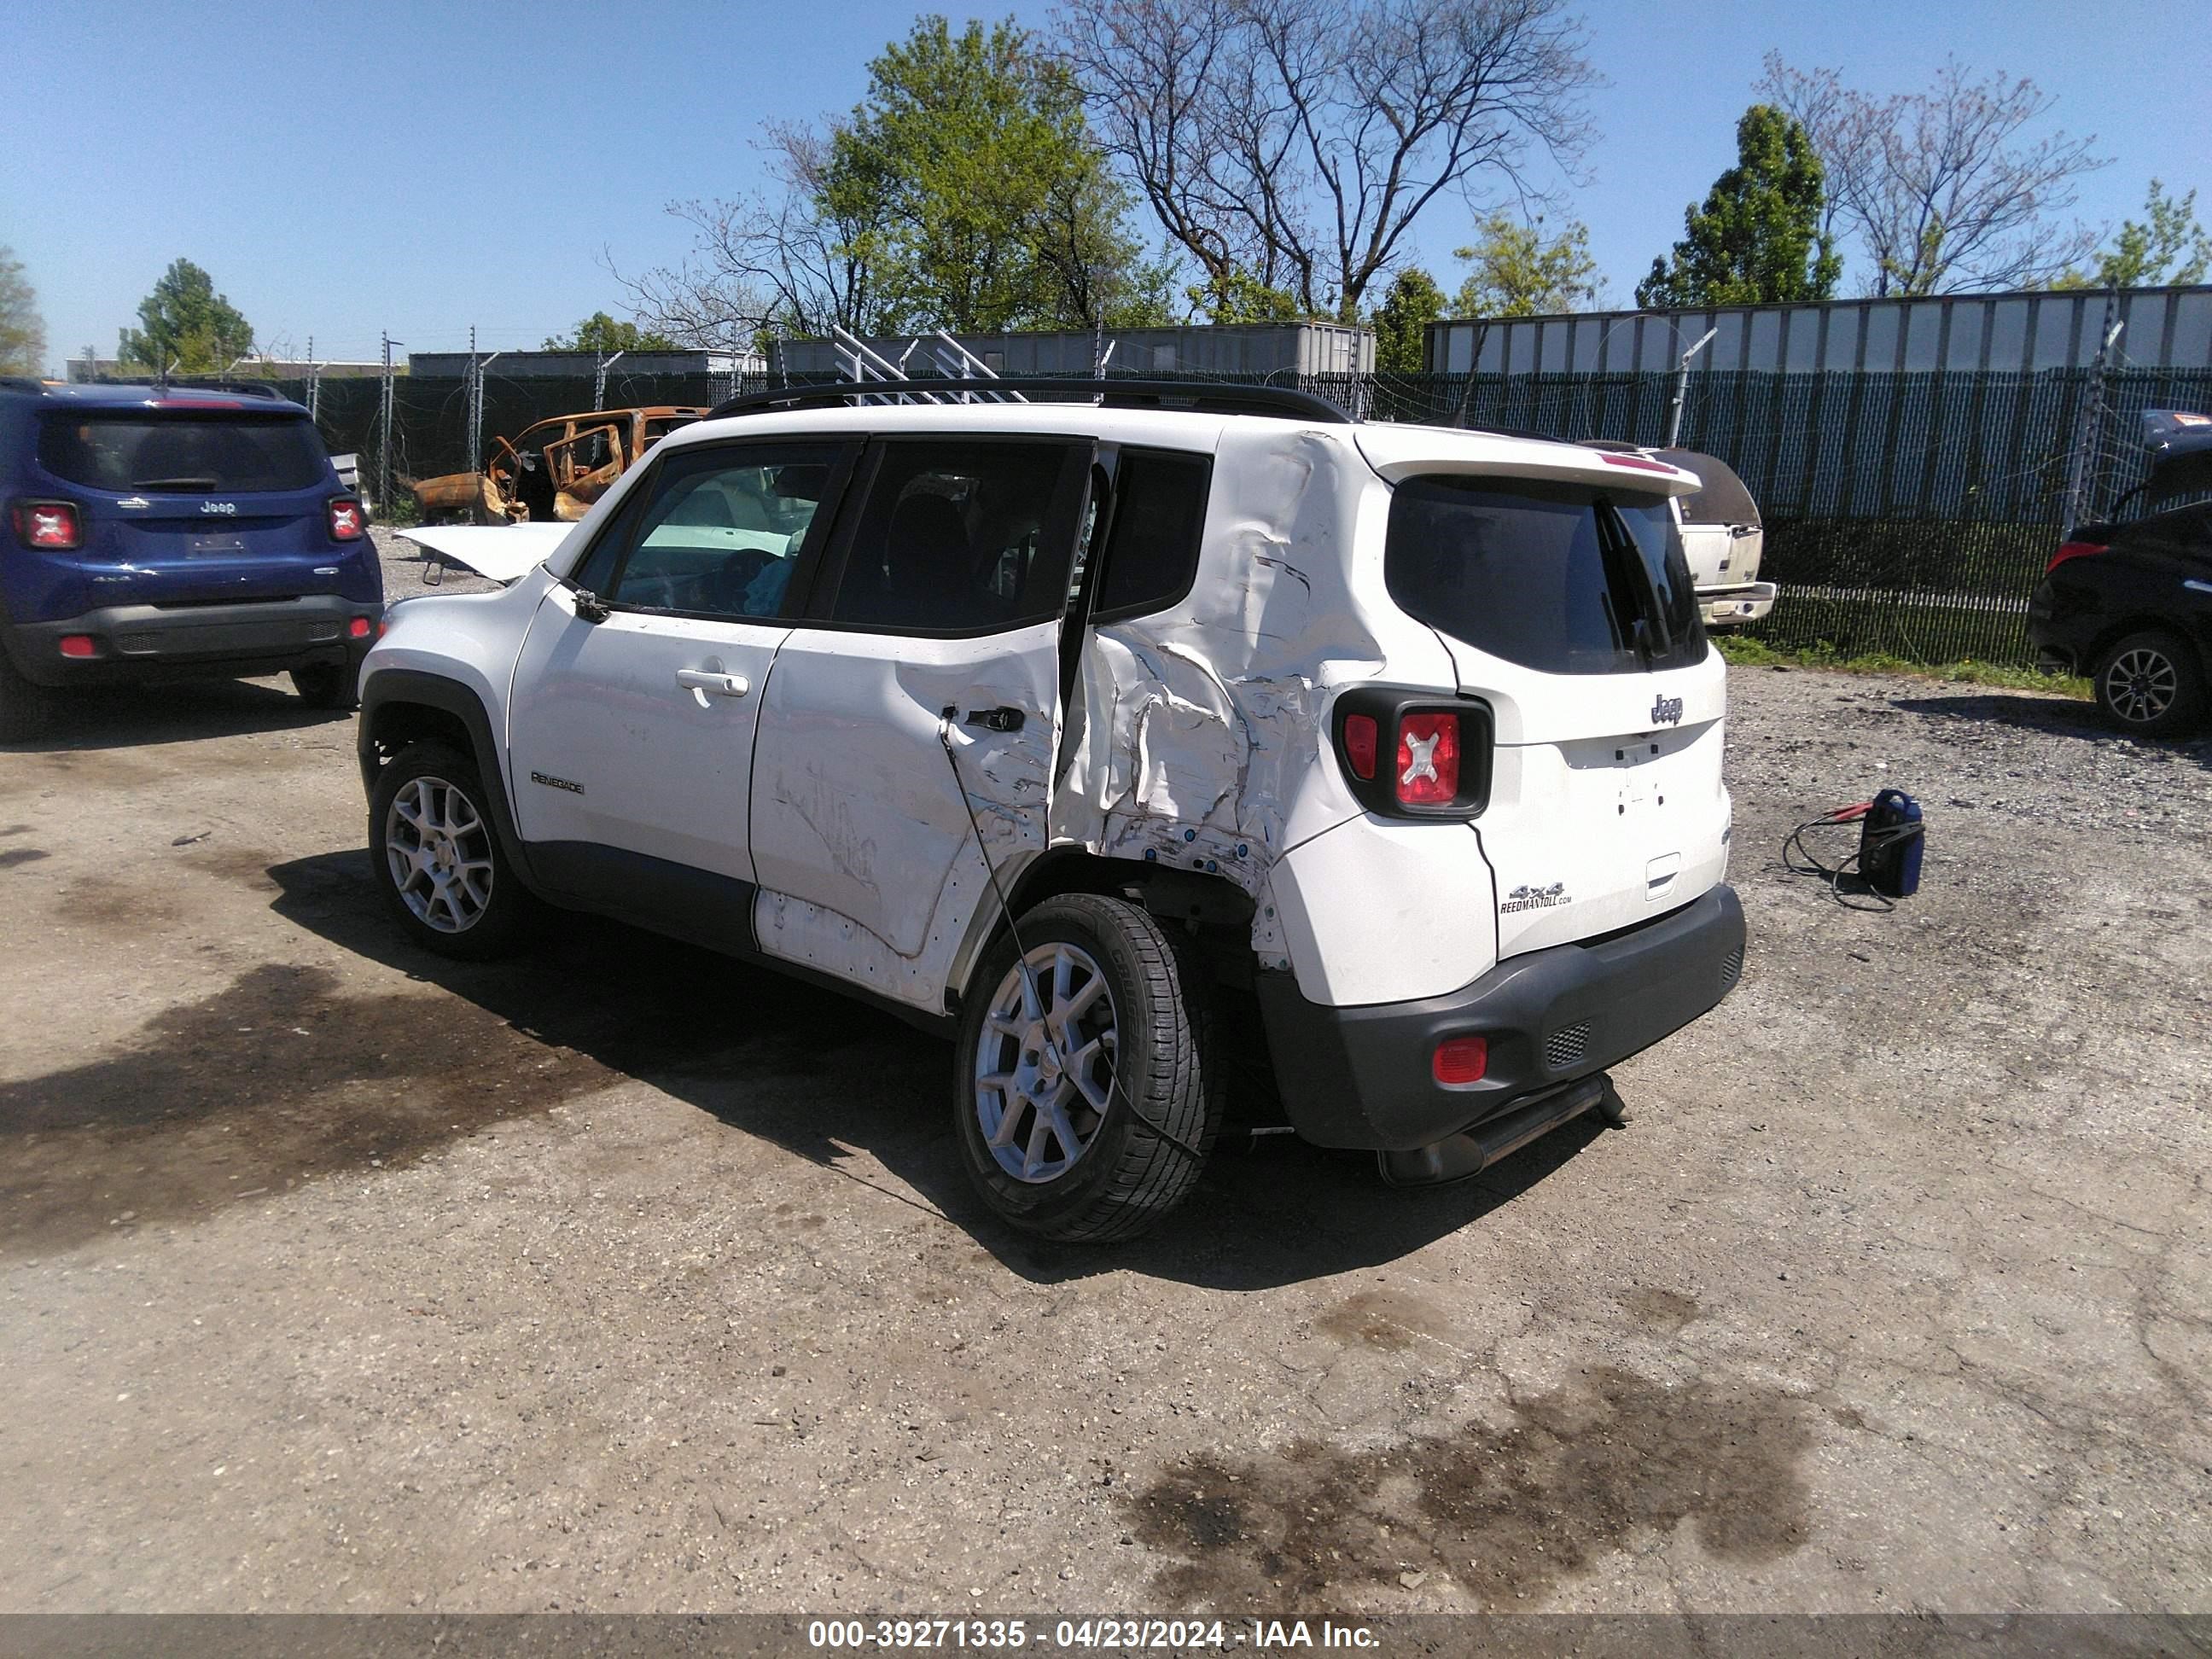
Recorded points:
1754,654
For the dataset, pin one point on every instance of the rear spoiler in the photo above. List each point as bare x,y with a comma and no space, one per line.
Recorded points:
2180,445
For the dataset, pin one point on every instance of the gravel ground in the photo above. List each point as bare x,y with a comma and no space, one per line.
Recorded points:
621,1277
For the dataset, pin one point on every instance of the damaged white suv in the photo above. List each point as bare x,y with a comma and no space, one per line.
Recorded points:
1062,726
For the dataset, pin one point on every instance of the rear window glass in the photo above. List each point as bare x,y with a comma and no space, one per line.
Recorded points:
1721,498
1553,576
232,454
1152,550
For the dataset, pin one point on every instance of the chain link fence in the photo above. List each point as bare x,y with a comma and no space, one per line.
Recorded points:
1908,513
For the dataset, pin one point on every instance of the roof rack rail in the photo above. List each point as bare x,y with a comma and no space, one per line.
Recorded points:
247,388
1199,396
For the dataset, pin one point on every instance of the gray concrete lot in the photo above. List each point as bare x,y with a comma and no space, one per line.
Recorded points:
621,1277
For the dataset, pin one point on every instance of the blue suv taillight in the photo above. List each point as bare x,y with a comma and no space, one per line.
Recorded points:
349,522
49,527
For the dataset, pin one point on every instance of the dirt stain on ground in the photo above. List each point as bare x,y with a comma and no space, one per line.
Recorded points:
1506,1512
1668,1310
276,1079
1388,1320
103,903
16,855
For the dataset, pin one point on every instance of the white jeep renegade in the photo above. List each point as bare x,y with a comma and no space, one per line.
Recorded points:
1063,727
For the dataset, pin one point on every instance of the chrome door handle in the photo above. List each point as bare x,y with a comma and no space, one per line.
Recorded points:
717,685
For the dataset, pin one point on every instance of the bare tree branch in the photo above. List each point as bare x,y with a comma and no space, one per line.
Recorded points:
1936,186
1299,141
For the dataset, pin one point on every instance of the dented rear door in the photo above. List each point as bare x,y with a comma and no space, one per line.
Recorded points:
939,609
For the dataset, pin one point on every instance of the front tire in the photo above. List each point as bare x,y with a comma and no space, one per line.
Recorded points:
1086,1111
2151,684
438,860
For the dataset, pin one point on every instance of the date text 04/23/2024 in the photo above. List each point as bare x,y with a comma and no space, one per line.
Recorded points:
1167,1635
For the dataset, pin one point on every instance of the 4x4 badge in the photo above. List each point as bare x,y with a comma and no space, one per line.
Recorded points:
1666,711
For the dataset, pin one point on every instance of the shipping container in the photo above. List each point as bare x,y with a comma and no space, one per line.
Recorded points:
2160,328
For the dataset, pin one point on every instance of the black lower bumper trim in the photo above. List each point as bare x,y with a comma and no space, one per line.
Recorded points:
1362,1076
142,643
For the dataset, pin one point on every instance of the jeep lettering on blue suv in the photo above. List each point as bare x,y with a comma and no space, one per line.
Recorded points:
160,534
1086,732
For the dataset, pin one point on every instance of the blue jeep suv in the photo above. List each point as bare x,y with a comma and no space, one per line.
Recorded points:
162,533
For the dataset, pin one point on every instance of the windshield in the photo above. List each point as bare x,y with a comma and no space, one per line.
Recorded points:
1553,576
132,449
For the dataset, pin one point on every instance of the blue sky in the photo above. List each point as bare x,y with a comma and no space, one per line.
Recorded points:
425,167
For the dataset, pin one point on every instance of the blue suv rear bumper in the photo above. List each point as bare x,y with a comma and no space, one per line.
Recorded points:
134,644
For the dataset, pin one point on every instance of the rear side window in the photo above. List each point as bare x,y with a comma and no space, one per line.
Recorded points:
963,537
1558,577
225,453
1159,514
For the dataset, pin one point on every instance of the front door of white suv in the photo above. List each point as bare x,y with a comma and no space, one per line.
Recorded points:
637,694
939,609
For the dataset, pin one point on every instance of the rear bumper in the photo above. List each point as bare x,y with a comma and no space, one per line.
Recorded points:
135,643
1361,1076
1739,602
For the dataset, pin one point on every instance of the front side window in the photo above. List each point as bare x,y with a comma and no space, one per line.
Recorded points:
191,453
720,534
1559,577
962,537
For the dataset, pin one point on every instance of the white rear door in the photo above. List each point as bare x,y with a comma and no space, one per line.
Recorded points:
945,593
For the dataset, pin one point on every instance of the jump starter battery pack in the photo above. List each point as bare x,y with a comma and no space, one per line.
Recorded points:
1891,837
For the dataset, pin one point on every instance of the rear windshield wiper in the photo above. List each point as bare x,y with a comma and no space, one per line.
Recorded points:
173,483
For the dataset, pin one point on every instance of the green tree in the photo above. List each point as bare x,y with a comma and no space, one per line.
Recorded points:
985,205
1145,296
1401,322
1757,239
186,327
1520,272
1237,297
22,331
600,332
2167,246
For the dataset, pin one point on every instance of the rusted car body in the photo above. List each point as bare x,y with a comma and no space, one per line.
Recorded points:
555,471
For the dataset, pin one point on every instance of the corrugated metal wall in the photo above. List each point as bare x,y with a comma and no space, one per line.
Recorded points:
1251,351
2164,328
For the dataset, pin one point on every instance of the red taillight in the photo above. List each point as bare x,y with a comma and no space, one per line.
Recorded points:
347,524
77,645
1462,1060
1640,462
383,626
357,628
49,525
1428,759
1359,744
2073,550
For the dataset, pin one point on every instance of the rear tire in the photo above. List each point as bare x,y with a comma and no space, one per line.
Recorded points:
2151,684
1094,1122
26,710
327,685
437,859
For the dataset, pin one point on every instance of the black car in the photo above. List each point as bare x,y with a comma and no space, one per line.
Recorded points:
2129,602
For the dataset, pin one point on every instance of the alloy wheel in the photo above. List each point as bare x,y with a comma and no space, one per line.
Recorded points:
2142,684
1045,1062
439,851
